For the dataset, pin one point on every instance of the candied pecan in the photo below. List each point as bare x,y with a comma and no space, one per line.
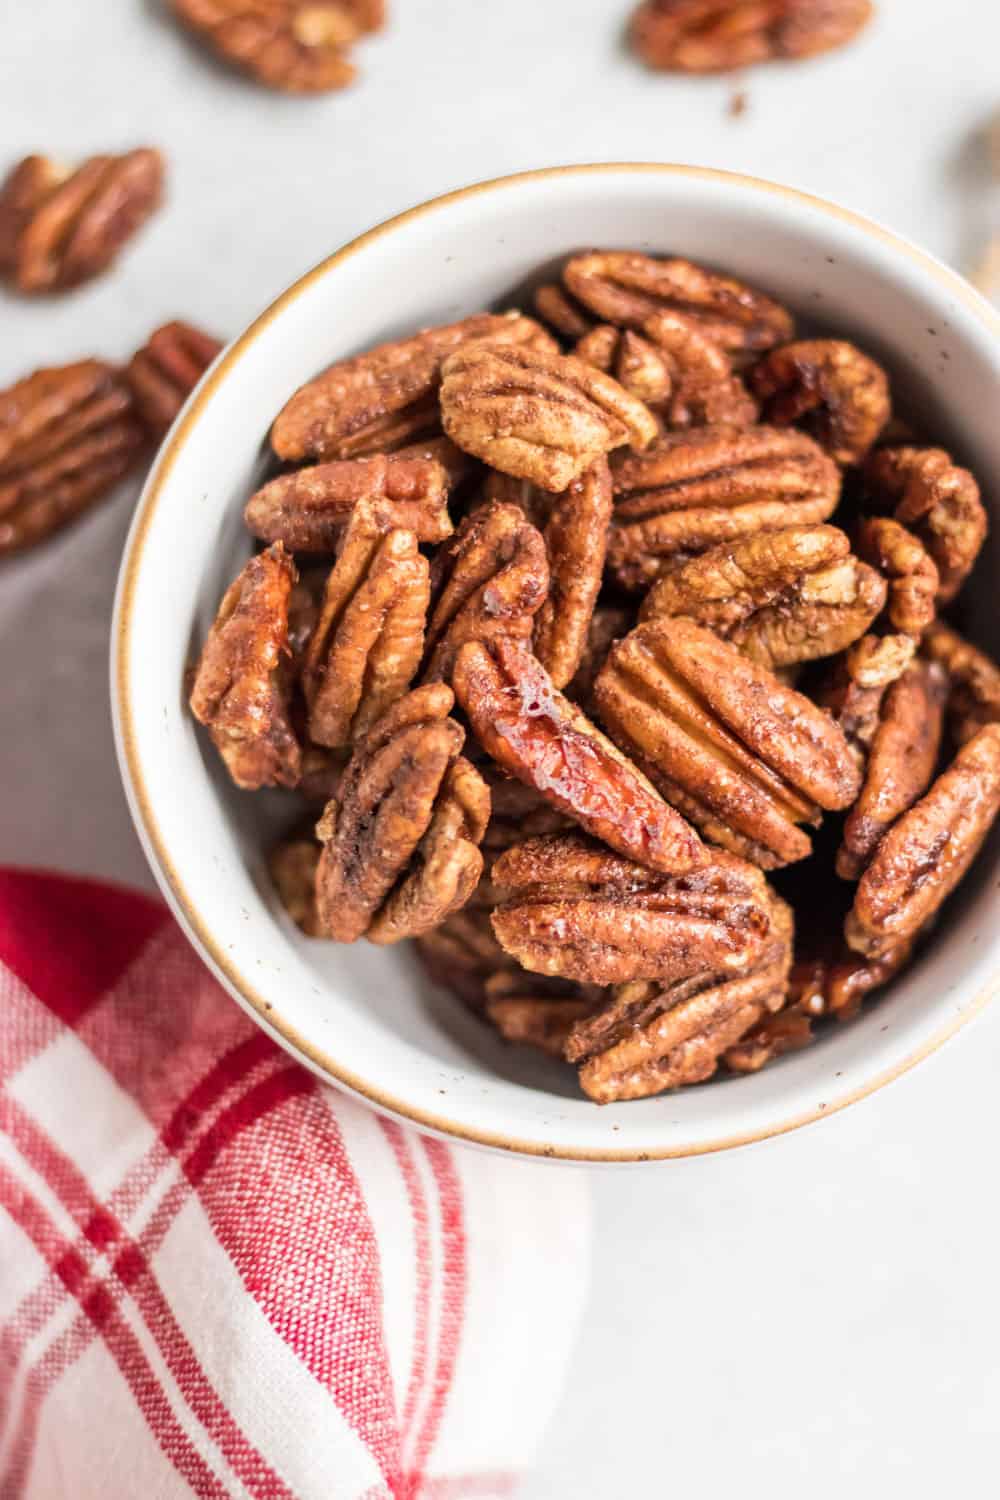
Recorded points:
693,490
67,435
518,812
567,906
386,397
539,1010
461,953
750,757
852,693
909,568
321,773
61,226
166,370
626,288
925,854
298,46
400,840
537,735
607,625
241,685
788,1030
555,306
973,681
292,866
637,365
837,393
309,508
937,500
368,640
716,36
901,762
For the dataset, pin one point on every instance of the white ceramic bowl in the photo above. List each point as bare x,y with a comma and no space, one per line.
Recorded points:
365,1018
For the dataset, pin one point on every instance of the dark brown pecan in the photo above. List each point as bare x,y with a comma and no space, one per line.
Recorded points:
166,370
937,500
911,572
298,46
537,735
828,386
973,681
788,1030
292,865
241,686
569,907
67,436
827,979
309,508
538,1010
61,226
694,490
716,36
400,840
462,954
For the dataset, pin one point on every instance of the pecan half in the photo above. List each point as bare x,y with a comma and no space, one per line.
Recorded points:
937,500
569,907
298,46
242,683
637,365
61,226
829,980
973,679
461,953
537,735
693,490
384,398
789,1030
538,1010
746,758
828,386
909,568
555,306
166,370
542,417
925,854
67,436
400,840
309,508
292,865
853,691
715,36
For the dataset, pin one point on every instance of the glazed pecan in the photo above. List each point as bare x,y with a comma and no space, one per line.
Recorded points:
627,289
637,365
309,508
569,907
166,370
537,735
400,840
242,683
901,762
542,417
781,597
368,640
538,1010
937,500
386,397
607,625
973,681
829,980
909,568
853,691
693,490
61,226
925,854
716,36
298,46
67,436
744,757
462,954
555,306
292,865
518,812
788,1030
828,386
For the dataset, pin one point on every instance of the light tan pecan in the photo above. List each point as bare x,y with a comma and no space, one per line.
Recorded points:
538,1010
608,624
925,854
400,840
560,311
911,572
537,735
298,46
716,36
693,490
973,681
627,289
309,508
67,436
829,387
292,865
937,500
387,397
164,372
541,417
744,757
60,226
242,683
569,907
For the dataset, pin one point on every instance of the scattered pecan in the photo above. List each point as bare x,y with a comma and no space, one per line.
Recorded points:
298,46
937,500
536,734
242,683
828,386
716,36
555,306
925,854
166,370
909,568
387,397
607,625
292,866
538,1010
61,226
400,840
973,681
693,490
67,435
543,417
744,757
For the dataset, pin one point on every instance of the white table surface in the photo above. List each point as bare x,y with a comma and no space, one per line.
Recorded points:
805,1316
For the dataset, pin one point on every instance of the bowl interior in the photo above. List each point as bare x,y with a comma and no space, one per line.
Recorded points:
367,1018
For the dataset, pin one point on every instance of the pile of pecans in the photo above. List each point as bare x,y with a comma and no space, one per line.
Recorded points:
487,540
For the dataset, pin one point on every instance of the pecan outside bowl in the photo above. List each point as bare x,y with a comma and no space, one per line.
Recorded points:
366,1019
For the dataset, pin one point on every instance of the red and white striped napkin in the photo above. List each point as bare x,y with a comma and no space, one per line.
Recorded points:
219,1277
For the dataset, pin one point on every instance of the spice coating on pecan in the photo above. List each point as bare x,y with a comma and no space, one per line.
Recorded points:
576,535
837,393
164,372
937,500
715,36
292,865
298,46
555,306
537,735
908,566
538,1010
309,508
973,681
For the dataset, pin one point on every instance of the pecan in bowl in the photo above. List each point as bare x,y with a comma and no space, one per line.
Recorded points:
939,501
835,391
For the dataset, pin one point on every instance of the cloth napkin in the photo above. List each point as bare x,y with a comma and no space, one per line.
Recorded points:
218,1276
